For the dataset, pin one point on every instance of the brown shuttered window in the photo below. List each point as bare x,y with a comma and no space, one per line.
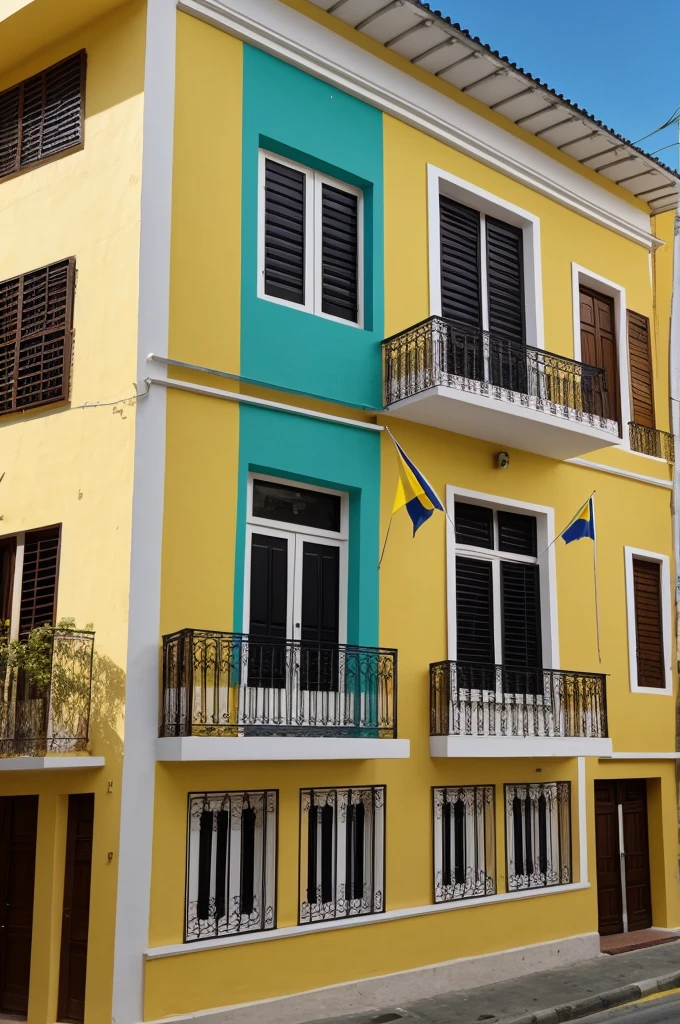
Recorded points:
36,333
42,116
39,579
641,382
648,623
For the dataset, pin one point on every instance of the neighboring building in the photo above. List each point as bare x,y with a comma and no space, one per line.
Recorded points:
241,240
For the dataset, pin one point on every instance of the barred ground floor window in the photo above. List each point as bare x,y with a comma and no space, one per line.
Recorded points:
538,834
464,842
342,852
231,863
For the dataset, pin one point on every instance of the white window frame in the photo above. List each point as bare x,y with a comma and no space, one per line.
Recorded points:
440,182
666,625
545,534
264,867
374,853
587,278
314,182
290,531
530,794
480,841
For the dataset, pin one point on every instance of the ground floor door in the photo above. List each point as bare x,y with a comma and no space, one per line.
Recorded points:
18,831
76,915
623,883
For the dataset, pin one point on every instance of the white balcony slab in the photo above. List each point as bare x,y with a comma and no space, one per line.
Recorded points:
505,422
52,762
519,746
278,748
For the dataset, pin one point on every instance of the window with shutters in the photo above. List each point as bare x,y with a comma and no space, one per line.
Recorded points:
29,574
310,241
231,863
36,337
342,852
43,115
649,627
538,835
464,842
497,598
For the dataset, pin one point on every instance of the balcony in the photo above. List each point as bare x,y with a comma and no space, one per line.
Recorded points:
458,378
231,696
492,711
45,710
649,441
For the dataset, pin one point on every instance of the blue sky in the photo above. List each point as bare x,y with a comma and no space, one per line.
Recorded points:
617,58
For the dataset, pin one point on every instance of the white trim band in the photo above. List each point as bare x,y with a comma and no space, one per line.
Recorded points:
664,755
179,948
666,484
54,762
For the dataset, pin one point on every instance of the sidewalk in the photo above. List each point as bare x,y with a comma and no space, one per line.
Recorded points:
518,1001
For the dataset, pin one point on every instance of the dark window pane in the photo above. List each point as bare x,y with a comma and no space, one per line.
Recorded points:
296,505
474,525
516,533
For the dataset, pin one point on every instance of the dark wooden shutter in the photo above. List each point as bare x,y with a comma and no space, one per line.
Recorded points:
339,253
474,611
39,579
36,334
648,626
474,524
521,619
43,115
8,549
505,280
284,232
76,913
460,274
598,342
517,533
641,382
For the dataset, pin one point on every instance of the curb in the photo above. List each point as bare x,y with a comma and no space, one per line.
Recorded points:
603,1001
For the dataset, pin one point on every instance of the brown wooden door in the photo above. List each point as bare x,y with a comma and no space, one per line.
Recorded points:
76,916
598,342
641,380
18,832
631,796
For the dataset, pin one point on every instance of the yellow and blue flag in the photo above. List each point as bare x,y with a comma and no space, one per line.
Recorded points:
414,492
582,525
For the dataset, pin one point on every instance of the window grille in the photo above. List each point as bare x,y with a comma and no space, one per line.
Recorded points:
464,842
231,863
342,862
538,834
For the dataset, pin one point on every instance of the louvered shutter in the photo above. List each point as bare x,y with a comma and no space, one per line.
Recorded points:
43,115
517,533
641,383
36,319
505,280
474,611
474,524
648,625
39,579
339,253
521,624
7,559
460,275
284,232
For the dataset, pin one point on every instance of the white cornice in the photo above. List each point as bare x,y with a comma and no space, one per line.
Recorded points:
403,103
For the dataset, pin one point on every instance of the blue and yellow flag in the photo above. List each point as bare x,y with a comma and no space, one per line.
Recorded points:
414,492
582,525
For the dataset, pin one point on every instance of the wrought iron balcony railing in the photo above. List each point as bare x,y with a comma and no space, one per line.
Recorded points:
439,352
231,684
650,441
491,700
48,711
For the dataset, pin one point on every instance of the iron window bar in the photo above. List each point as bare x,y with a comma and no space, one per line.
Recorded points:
650,441
464,842
438,352
231,684
496,700
538,835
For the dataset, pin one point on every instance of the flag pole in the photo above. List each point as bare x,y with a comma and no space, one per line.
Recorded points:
389,525
597,601
564,529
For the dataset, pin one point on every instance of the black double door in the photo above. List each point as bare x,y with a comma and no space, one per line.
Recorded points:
295,609
18,832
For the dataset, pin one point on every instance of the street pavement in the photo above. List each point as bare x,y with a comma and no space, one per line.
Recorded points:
661,1010
521,997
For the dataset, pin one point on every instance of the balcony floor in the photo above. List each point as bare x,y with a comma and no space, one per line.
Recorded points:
278,748
519,746
504,421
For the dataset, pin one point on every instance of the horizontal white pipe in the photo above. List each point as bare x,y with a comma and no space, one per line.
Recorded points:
667,484
234,396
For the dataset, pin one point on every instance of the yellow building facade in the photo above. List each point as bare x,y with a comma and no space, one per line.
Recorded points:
317,754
